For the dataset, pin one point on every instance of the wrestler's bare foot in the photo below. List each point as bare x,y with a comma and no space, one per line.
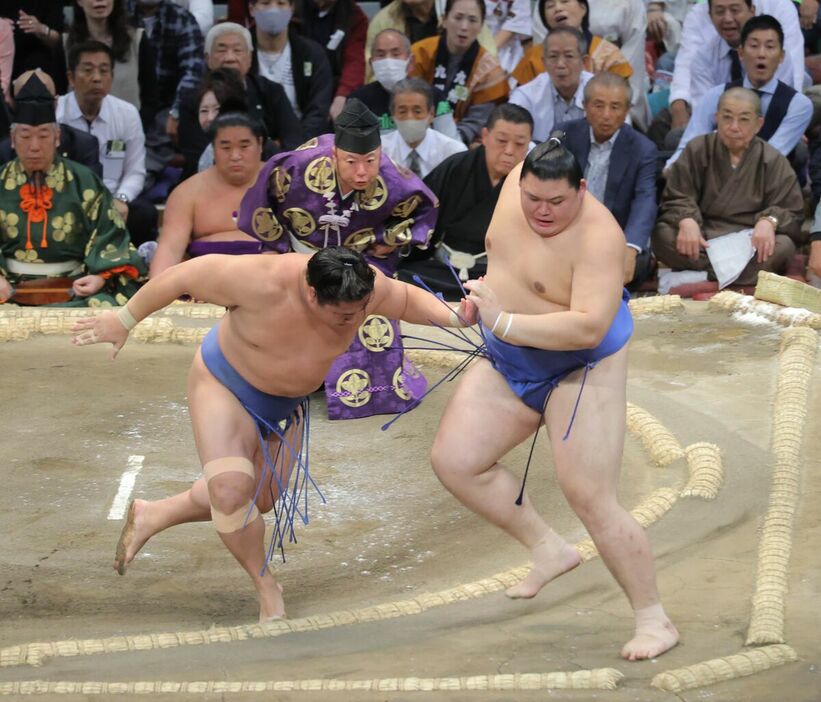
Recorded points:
552,557
133,536
655,634
271,603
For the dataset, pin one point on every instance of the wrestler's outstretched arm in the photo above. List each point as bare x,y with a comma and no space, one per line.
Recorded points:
397,300
221,280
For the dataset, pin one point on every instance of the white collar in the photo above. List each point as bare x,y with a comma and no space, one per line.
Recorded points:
611,140
768,88
73,111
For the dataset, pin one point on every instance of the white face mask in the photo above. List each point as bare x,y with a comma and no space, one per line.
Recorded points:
412,130
273,20
389,71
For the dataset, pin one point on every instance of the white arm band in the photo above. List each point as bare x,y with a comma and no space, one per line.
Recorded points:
126,318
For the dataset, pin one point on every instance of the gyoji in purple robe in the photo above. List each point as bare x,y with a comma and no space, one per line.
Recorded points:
296,205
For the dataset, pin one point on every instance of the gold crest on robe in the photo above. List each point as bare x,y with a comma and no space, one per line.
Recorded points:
302,222
376,333
399,234
404,208
360,239
354,383
265,225
374,196
282,183
320,176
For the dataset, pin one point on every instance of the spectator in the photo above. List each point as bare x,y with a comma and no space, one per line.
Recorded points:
605,56
117,127
708,56
178,47
58,219
619,165
664,20
38,25
135,77
417,20
787,113
203,12
188,228
392,56
814,266
341,27
468,185
6,57
414,143
221,90
453,62
728,181
74,144
510,23
229,45
389,62
297,63
558,95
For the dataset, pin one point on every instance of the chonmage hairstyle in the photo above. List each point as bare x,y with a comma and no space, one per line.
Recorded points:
340,275
552,161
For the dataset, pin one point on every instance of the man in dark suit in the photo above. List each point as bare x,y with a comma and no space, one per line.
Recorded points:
619,166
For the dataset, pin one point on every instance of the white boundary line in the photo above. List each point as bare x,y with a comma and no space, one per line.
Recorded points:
129,477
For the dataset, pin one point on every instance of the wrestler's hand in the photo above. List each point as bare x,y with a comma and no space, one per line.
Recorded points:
6,290
103,328
88,285
689,241
763,239
467,312
487,305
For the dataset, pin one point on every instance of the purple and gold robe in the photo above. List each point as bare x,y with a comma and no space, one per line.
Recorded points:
295,205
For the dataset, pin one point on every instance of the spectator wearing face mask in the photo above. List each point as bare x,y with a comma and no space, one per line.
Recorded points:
297,63
414,144
390,62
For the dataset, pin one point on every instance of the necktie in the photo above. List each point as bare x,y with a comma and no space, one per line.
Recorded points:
414,163
735,65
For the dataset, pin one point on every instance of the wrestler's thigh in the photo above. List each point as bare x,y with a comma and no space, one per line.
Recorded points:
221,425
588,462
483,420
284,461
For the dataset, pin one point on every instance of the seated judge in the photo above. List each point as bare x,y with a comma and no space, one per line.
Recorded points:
59,227
619,165
728,181
468,185
74,144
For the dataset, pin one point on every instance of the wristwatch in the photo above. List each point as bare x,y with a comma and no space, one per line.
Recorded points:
772,220
122,197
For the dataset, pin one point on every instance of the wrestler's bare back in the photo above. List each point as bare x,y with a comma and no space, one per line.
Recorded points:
532,274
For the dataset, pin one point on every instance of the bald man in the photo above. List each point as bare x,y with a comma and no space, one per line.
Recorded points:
74,144
727,181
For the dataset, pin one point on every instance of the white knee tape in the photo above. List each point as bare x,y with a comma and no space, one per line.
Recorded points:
229,523
231,464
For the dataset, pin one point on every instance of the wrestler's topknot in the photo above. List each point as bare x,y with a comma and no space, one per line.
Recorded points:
552,161
338,274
